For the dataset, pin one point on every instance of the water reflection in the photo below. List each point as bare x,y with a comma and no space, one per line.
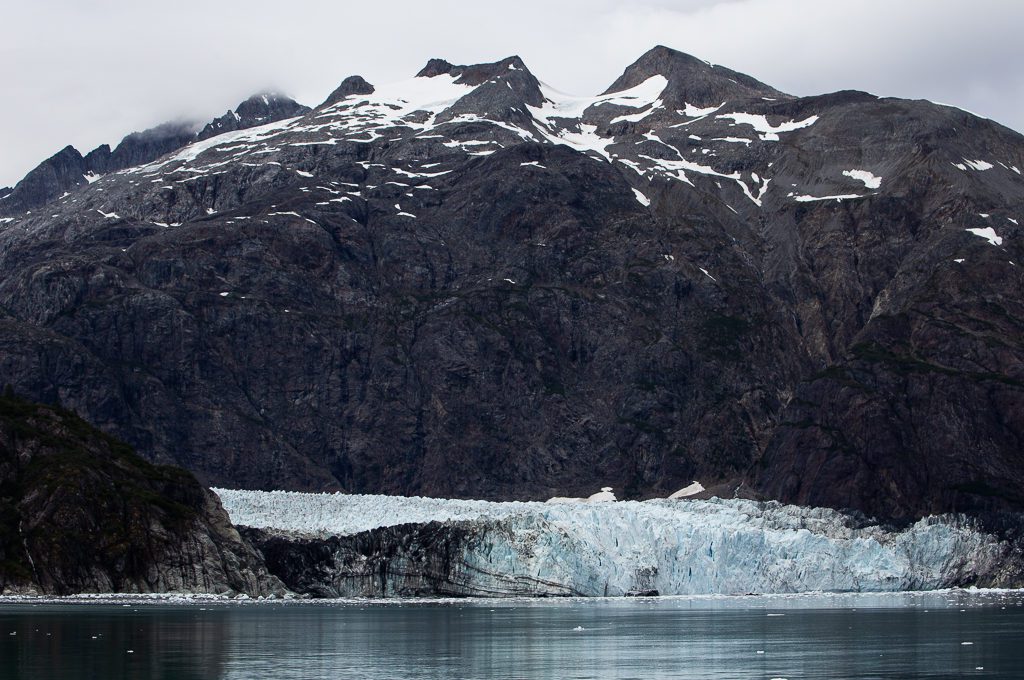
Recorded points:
824,637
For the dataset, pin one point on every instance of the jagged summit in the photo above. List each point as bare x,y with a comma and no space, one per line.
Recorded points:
691,80
474,74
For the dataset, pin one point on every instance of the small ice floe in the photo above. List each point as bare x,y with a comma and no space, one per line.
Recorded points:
605,495
959,260
225,294
130,651
966,644
686,491
760,651
578,629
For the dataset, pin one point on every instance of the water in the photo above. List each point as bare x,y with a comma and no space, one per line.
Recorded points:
851,636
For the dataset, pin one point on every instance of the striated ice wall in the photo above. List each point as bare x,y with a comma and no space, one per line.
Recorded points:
667,546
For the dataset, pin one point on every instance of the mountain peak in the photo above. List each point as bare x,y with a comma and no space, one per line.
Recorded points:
349,86
474,74
691,80
259,109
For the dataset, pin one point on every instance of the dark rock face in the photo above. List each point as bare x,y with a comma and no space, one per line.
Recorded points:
63,170
494,292
79,512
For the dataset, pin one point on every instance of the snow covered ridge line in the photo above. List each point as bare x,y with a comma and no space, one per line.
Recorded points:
668,547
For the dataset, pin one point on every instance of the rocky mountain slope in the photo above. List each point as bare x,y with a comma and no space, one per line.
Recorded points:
469,284
80,512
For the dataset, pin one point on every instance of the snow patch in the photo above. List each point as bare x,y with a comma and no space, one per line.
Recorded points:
870,180
769,132
987,233
840,198
978,165
643,200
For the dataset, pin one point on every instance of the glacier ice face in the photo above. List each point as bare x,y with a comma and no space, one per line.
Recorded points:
618,548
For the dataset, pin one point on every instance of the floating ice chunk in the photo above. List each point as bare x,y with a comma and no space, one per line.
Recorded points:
643,200
691,490
769,132
987,233
959,260
225,294
578,629
605,495
870,180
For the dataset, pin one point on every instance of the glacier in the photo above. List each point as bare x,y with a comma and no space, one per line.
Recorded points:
386,546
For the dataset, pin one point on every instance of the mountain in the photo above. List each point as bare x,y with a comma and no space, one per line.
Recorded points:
80,512
469,284
68,169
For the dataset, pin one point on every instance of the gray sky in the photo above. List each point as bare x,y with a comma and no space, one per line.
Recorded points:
86,73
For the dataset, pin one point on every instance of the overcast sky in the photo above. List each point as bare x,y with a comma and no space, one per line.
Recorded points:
85,73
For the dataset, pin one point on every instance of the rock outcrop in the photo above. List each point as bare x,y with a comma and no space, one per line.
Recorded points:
80,512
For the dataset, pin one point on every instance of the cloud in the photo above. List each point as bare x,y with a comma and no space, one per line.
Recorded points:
88,73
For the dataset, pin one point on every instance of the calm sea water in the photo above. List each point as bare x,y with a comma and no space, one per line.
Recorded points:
853,636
